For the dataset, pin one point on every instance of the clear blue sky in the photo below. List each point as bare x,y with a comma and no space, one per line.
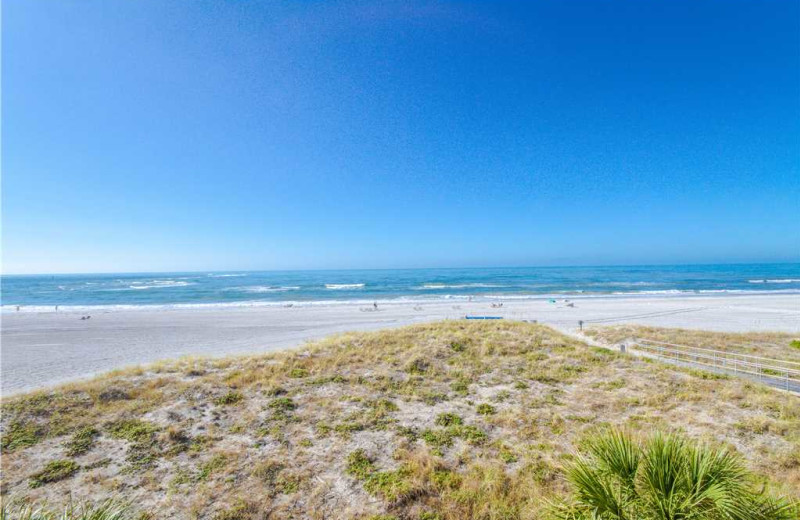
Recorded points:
151,135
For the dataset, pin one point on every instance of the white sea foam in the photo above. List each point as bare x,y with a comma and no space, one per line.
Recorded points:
265,289
401,300
620,284
158,284
341,286
198,306
518,296
212,275
724,291
437,286
782,280
663,291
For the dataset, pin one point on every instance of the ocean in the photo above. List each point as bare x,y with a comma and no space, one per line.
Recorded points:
185,290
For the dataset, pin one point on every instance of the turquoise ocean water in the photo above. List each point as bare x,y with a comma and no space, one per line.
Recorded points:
42,292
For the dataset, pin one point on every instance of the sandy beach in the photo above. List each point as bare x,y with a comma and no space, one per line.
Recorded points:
41,349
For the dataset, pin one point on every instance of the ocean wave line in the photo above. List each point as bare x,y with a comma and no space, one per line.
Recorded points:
265,289
400,300
341,286
437,286
158,284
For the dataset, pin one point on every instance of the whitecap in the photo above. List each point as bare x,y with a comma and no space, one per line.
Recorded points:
665,291
341,286
158,284
266,289
436,286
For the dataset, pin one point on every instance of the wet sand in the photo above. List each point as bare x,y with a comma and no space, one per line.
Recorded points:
41,349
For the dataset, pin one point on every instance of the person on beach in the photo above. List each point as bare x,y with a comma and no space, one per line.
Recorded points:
375,305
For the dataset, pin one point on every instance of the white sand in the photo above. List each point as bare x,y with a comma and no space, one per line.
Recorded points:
40,349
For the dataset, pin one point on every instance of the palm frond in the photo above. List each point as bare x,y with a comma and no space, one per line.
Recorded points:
666,478
617,454
604,497
664,462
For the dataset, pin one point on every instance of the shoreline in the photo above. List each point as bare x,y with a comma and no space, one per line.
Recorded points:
6,309
41,349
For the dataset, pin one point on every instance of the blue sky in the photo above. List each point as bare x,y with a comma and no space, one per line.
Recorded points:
155,136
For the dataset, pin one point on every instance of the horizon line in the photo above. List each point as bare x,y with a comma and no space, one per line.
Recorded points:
541,266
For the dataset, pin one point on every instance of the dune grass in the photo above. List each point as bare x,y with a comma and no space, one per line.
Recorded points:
106,510
452,420
767,344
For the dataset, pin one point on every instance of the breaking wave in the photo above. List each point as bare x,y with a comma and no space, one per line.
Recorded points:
342,286
158,284
266,289
438,286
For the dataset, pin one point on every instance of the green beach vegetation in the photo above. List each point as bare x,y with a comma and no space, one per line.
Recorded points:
666,476
450,420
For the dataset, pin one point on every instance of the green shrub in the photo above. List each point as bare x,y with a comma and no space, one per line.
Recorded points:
446,480
471,434
282,404
132,430
458,346
82,441
53,472
232,397
21,435
382,406
359,465
486,409
443,438
448,419
506,455
298,373
438,438
391,485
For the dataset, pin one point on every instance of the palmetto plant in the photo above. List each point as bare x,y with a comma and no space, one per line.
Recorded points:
664,478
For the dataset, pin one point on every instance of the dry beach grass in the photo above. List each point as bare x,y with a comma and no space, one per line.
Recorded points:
767,344
450,420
